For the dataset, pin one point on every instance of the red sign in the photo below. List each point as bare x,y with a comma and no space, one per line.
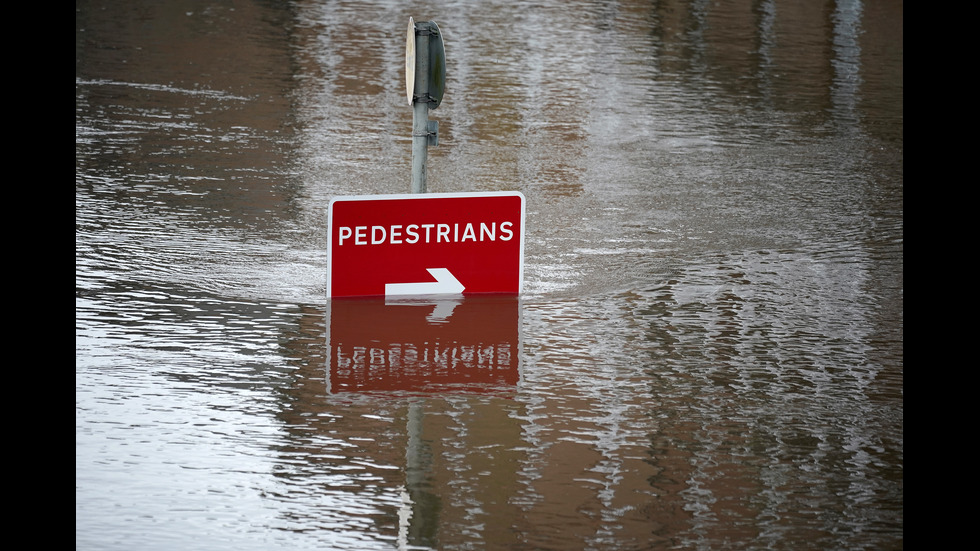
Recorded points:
426,244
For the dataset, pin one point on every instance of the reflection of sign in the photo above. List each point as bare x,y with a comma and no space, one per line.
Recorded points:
436,243
424,345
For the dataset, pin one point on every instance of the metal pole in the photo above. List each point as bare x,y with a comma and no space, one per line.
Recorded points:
420,118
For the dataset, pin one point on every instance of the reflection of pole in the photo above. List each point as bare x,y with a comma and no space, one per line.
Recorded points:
419,514
420,118
414,470
415,463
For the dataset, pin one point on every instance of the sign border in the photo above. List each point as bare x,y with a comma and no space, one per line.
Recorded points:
410,62
411,196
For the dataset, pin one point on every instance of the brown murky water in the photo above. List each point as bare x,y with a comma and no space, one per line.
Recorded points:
709,350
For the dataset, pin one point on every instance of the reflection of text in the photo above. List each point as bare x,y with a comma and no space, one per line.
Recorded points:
431,360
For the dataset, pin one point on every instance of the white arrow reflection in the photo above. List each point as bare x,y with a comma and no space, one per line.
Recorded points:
443,307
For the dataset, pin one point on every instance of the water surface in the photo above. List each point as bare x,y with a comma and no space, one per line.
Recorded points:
709,350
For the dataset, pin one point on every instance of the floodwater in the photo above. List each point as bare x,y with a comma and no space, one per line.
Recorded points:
708,352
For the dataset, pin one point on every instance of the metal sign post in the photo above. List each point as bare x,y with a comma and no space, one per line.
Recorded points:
425,83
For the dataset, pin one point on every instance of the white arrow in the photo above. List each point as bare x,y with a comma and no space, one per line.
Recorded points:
445,284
